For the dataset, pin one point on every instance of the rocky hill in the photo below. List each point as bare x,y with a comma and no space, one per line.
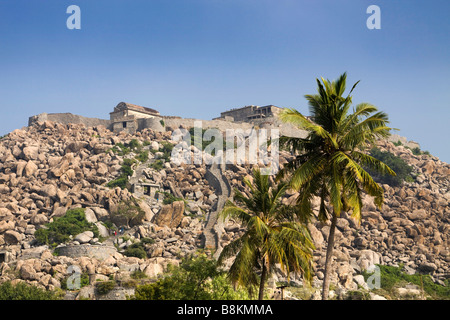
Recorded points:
49,168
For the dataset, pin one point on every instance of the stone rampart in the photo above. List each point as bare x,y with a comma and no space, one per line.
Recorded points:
67,118
87,250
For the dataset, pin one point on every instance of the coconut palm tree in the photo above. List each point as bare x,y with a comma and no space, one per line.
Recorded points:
274,235
330,162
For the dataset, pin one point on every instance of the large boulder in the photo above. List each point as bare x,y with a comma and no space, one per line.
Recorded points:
30,169
316,236
6,225
90,215
418,214
170,215
48,190
84,237
30,152
367,260
13,237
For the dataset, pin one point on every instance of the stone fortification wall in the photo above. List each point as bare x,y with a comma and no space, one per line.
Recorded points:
175,123
66,118
87,250
152,123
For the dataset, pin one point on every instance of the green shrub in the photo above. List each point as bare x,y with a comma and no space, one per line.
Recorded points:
142,156
134,145
166,149
394,277
138,274
357,295
195,279
122,180
147,241
400,167
60,230
157,165
127,213
416,151
204,143
24,291
84,281
135,250
169,198
104,287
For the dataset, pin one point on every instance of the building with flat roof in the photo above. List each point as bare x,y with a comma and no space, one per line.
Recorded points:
249,113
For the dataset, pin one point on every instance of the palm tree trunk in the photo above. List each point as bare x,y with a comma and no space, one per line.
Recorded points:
263,280
330,247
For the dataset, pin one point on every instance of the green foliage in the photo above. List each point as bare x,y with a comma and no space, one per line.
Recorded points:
394,277
60,230
203,142
147,241
122,180
126,171
357,295
169,198
138,274
134,145
162,122
416,151
195,279
142,156
84,281
127,212
274,235
23,291
166,149
104,287
400,167
136,250
330,160
157,165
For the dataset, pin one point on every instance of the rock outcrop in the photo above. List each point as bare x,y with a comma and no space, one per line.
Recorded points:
48,168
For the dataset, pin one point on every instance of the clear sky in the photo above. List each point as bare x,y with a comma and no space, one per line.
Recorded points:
196,58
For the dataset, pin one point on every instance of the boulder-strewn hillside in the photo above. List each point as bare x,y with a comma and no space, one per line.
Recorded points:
49,168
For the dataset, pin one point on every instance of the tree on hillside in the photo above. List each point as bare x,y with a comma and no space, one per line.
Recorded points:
329,162
273,235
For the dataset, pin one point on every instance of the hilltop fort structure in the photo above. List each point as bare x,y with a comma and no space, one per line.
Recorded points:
133,118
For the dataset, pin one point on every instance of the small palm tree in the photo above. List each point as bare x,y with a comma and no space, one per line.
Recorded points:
330,161
274,235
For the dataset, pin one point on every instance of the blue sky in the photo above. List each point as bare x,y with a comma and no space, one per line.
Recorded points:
196,58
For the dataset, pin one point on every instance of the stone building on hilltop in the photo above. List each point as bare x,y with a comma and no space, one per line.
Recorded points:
249,113
131,118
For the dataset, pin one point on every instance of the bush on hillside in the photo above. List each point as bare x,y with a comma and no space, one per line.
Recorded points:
400,167
60,230
24,291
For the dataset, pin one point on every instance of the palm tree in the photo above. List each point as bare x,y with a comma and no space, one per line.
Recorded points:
330,162
274,235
